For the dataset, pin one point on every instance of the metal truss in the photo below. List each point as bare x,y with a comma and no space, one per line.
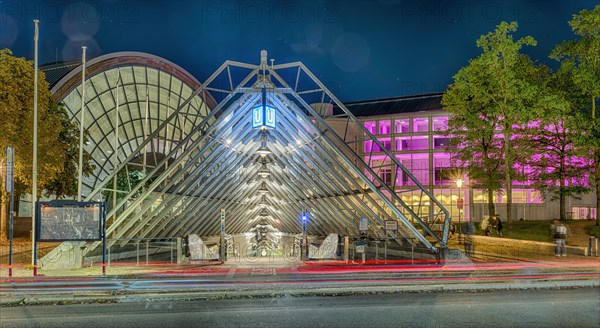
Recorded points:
310,167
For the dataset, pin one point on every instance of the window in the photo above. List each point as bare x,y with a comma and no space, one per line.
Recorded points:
387,143
370,126
440,123
386,175
385,127
441,142
401,126
412,143
421,124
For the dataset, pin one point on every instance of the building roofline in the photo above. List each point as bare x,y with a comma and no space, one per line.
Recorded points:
102,63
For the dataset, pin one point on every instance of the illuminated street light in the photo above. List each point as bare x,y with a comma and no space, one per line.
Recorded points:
459,205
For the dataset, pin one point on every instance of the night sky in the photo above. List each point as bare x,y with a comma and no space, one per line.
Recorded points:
359,49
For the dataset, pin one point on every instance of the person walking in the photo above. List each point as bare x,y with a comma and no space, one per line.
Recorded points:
499,226
468,243
560,237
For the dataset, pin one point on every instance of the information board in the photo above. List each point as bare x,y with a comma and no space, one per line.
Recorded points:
69,221
363,224
391,225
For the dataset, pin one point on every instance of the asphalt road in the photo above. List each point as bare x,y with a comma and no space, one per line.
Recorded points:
531,308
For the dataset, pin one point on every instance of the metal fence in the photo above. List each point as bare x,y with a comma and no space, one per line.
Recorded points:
136,250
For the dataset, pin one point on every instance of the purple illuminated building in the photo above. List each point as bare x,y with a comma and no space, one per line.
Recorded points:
411,128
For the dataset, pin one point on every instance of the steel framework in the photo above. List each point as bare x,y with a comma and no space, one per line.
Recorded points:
308,163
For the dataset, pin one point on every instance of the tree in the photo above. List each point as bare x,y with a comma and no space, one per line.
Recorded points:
55,142
473,132
495,88
581,60
65,184
16,126
556,168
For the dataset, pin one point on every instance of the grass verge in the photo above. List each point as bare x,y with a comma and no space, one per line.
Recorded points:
594,230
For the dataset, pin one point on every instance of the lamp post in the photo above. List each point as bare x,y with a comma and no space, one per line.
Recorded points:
459,205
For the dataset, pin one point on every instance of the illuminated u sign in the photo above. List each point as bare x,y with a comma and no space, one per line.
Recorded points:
263,116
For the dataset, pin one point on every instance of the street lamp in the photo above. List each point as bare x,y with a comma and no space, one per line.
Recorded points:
459,205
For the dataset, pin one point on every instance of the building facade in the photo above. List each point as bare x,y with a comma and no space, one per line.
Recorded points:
411,128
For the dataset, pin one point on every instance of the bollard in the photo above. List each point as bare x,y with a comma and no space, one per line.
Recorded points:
593,246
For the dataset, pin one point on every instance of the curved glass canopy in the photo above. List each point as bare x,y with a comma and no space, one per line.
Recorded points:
127,98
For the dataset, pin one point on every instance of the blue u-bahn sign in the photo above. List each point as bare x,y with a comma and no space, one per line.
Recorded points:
263,116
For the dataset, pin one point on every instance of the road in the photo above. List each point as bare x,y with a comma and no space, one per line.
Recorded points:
532,308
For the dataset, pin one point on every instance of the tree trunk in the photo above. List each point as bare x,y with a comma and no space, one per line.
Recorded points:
597,178
597,167
561,188
594,107
562,207
507,175
491,206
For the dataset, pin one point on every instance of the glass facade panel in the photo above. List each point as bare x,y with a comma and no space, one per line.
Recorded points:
441,142
418,165
440,123
401,126
370,126
412,143
535,197
421,124
385,127
387,143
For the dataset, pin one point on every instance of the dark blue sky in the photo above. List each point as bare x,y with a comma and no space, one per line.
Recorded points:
359,49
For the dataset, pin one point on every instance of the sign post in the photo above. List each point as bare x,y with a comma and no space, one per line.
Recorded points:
305,236
103,210
459,204
10,166
222,248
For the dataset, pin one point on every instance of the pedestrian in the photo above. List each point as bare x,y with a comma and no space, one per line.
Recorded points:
469,231
452,229
485,226
560,236
499,226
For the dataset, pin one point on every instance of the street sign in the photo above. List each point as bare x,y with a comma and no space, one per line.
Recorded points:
391,225
360,247
263,116
363,224
222,221
10,166
460,203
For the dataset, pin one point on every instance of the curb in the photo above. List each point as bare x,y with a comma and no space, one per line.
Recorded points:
109,297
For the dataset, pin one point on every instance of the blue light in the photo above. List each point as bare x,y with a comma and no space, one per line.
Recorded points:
304,217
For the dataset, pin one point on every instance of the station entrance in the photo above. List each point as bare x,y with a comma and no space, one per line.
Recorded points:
275,166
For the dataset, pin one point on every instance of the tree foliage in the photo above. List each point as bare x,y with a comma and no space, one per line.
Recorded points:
16,126
65,184
493,93
57,140
580,60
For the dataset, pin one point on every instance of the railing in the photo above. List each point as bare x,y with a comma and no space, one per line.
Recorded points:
136,250
22,251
